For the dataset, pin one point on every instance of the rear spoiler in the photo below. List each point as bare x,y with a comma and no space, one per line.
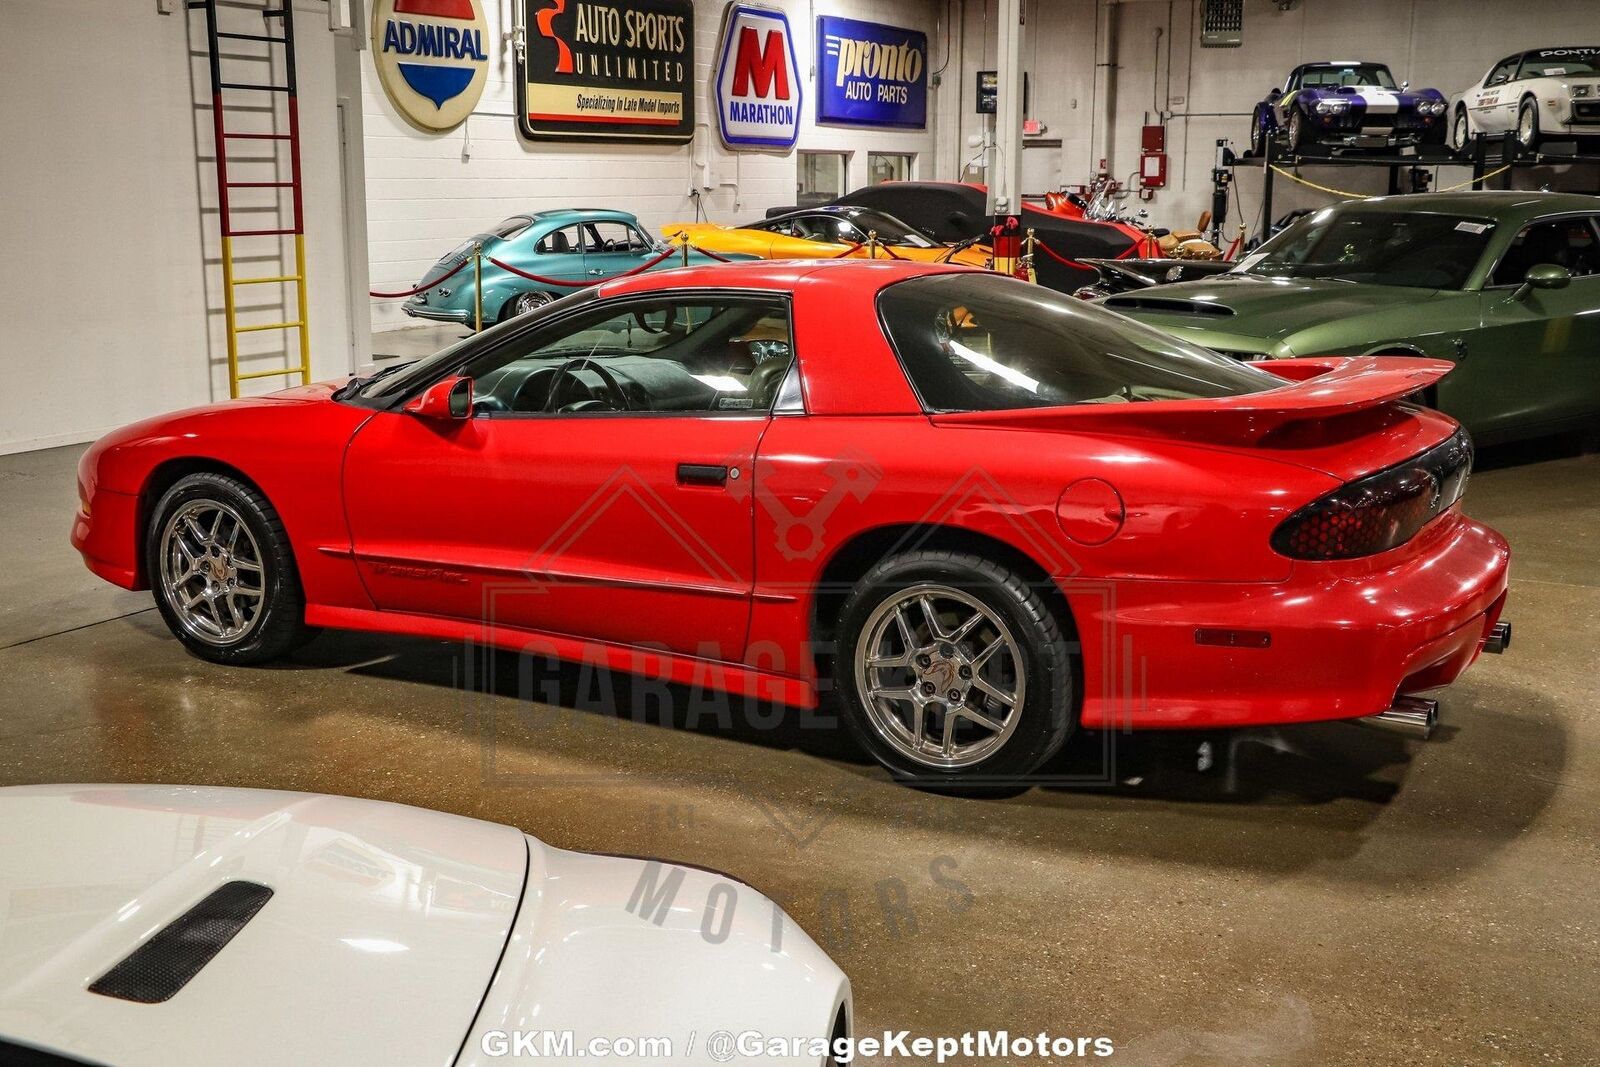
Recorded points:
1317,389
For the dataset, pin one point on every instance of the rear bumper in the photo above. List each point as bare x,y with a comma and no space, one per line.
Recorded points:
105,537
435,314
1343,639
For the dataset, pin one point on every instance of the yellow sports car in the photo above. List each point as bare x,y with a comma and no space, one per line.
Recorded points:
830,232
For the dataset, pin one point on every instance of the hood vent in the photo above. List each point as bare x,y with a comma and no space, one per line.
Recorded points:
161,966
1168,304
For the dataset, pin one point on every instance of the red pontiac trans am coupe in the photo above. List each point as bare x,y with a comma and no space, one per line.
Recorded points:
984,512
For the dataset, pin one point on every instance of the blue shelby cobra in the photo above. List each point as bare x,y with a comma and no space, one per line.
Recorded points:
1348,105
575,246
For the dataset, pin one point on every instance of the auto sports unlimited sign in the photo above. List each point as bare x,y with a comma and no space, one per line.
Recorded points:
757,80
607,71
869,74
432,58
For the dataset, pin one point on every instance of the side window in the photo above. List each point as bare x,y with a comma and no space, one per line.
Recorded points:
1502,73
613,237
1569,243
558,242
694,356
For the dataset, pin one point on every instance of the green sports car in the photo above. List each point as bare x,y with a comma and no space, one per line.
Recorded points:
1504,284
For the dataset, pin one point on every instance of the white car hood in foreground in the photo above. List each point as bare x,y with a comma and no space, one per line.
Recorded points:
382,933
394,935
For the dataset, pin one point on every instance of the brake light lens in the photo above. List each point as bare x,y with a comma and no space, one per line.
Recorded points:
1380,511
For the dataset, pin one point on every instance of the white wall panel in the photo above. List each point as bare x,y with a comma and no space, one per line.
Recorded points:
426,193
109,221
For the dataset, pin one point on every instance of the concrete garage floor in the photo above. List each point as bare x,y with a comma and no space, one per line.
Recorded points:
1347,898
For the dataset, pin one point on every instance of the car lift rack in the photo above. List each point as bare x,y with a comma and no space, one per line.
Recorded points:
1485,156
281,11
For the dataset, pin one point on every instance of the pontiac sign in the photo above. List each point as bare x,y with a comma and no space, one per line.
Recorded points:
871,75
619,71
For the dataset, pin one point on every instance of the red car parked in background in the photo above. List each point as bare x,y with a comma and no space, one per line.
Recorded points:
985,512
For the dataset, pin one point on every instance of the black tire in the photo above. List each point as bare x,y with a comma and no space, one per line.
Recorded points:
278,625
1529,110
1460,132
1048,694
1295,132
1258,135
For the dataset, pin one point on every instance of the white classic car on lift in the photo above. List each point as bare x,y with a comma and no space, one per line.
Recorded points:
1543,94
145,925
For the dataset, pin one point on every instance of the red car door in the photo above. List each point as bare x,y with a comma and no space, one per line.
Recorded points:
596,492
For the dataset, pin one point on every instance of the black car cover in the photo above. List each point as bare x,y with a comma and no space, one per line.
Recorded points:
948,211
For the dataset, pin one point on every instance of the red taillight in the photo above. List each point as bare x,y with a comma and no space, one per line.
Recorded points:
1381,511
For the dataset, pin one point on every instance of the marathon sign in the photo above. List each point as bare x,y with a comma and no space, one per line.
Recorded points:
869,74
757,80
595,71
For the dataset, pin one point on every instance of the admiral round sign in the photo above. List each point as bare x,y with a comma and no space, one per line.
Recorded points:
432,58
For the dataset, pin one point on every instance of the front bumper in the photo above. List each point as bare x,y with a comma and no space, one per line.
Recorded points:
1345,638
105,536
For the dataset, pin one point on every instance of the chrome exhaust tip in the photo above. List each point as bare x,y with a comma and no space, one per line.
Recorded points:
1413,715
1498,639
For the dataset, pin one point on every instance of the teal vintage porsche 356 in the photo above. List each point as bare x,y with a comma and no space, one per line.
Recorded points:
565,249
1506,285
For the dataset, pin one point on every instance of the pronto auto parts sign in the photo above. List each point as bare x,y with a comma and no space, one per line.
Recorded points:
757,80
871,75
432,58
607,71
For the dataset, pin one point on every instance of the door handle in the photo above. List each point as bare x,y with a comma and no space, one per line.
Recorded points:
596,270
702,474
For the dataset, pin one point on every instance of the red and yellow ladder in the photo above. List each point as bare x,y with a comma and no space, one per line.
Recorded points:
280,12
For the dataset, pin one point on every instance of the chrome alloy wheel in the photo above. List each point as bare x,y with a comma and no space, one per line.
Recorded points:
530,301
941,676
211,572
1527,125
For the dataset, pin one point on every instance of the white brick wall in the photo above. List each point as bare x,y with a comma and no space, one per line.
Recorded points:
428,192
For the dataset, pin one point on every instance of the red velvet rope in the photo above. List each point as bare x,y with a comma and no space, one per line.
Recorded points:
542,280
424,285
1059,258
852,250
709,254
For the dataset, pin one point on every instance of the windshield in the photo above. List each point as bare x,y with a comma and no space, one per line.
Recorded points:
890,230
383,388
850,227
1351,74
1414,249
980,342
1557,62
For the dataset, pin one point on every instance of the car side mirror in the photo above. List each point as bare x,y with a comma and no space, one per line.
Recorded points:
1404,86
1274,92
1543,276
448,400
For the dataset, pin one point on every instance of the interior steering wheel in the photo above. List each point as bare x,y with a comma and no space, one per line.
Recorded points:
567,375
